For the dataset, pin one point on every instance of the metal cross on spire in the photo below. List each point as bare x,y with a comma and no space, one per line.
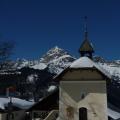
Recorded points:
86,29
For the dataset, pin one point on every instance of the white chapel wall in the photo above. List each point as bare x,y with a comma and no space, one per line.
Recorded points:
94,100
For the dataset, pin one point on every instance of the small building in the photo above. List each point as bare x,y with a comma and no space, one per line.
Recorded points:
45,109
13,109
83,91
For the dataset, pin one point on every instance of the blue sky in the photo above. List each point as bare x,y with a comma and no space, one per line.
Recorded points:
38,25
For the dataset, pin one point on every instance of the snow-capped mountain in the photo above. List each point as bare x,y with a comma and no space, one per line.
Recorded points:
56,59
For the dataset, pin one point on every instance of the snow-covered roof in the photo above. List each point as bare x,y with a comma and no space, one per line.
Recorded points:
82,62
23,104
51,88
85,62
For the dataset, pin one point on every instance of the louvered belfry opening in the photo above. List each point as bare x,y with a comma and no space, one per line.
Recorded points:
83,113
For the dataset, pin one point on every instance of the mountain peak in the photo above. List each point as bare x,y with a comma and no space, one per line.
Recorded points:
56,50
53,53
56,47
57,59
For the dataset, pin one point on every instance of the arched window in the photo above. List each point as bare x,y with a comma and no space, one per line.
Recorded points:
83,114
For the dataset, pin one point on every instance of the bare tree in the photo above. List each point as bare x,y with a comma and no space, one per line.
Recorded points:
6,50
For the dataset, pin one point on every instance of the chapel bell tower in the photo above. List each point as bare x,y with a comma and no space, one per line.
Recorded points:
86,48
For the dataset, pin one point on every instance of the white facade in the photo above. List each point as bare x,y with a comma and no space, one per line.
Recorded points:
94,100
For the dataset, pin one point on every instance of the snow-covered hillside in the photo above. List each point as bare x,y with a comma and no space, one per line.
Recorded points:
112,67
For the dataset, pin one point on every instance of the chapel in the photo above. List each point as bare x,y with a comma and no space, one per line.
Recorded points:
82,87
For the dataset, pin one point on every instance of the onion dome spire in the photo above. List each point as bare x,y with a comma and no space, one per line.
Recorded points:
86,48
